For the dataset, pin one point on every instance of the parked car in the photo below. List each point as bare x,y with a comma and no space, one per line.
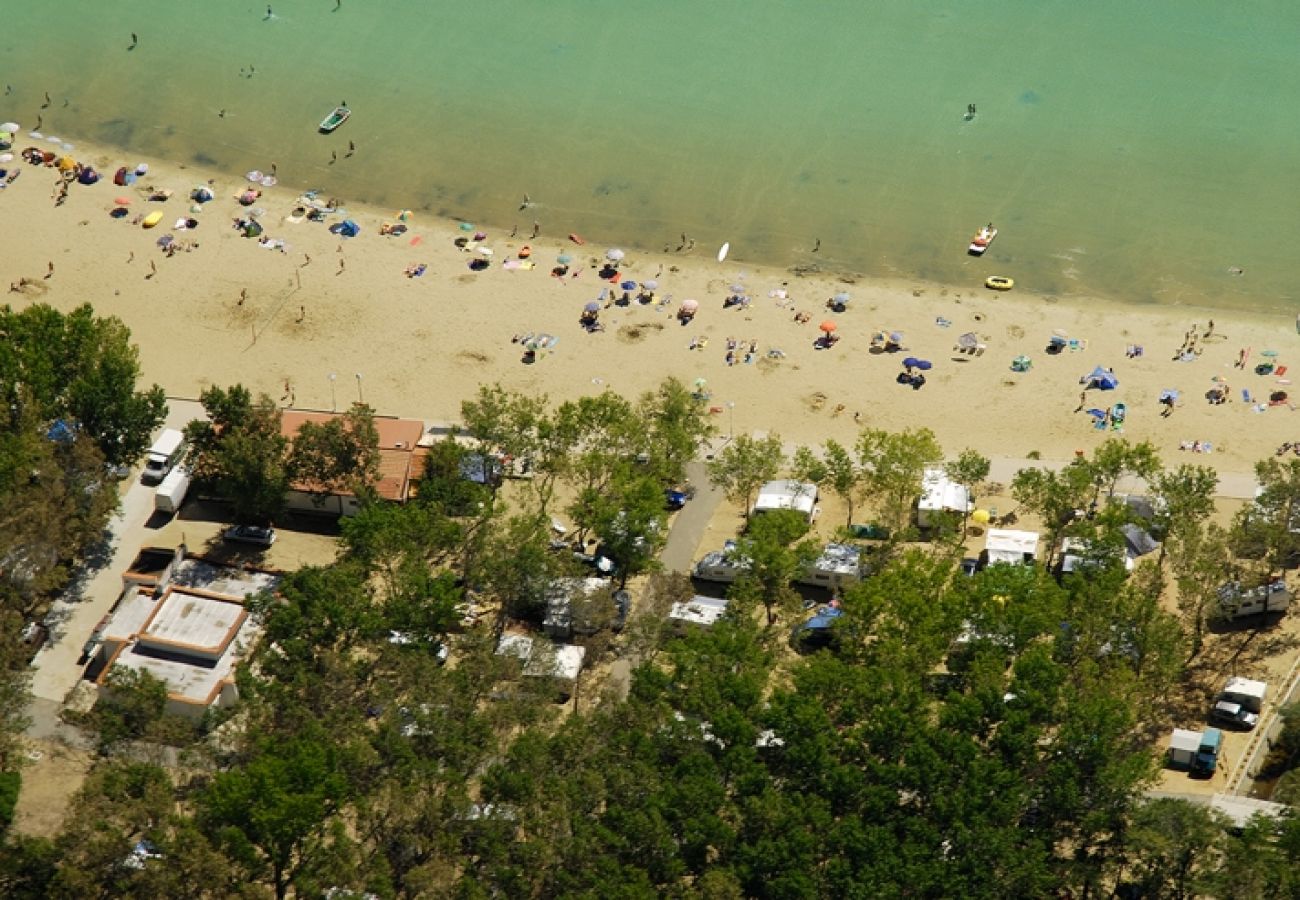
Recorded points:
676,498
1233,715
251,534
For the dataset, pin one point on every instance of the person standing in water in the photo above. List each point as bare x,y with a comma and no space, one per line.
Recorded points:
134,40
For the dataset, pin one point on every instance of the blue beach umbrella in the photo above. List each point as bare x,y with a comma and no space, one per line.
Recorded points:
628,286
910,362
564,259
924,365
593,306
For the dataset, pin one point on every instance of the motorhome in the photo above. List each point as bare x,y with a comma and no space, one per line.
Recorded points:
1003,545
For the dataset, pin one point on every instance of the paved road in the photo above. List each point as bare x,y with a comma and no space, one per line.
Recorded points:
691,523
95,588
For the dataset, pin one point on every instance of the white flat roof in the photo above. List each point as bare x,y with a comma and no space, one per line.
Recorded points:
838,559
133,610
699,610
1006,545
195,680
227,580
190,620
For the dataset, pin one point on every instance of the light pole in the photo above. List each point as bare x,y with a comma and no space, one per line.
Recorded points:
334,403
360,399
731,419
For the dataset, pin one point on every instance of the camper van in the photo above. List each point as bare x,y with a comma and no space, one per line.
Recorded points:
1238,602
165,453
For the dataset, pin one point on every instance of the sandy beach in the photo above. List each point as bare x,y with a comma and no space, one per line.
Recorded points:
329,320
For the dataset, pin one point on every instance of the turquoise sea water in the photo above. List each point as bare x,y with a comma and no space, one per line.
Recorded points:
1134,150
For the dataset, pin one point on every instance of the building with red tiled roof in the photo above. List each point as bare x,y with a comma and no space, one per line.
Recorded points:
399,463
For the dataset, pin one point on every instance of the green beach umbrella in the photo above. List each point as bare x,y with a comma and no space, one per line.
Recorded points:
466,226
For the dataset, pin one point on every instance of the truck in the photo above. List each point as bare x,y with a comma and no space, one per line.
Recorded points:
163,456
1206,759
171,493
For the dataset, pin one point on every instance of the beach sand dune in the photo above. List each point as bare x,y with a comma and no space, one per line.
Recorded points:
419,346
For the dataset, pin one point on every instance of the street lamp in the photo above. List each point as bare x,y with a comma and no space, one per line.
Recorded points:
731,419
360,399
334,403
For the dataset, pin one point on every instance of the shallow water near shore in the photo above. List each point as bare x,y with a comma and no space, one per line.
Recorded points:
1133,152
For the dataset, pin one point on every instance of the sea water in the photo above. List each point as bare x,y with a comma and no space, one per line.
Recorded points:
1137,151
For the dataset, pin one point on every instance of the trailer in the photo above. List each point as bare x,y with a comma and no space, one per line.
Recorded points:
787,494
1238,602
171,493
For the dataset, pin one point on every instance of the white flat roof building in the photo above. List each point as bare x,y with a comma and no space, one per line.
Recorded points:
190,640
187,627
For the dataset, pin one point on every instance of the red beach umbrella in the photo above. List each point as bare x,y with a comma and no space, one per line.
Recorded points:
828,326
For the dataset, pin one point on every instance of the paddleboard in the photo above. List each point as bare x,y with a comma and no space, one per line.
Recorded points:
152,219
722,253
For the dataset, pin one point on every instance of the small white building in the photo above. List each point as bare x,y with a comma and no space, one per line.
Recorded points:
1003,545
787,494
699,610
1183,745
838,566
940,496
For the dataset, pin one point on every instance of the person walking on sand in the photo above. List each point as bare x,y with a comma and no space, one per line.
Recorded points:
1083,401
50,272
243,295
302,313
537,228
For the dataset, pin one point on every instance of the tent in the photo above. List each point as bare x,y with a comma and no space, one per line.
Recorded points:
1137,541
346,228
1102,378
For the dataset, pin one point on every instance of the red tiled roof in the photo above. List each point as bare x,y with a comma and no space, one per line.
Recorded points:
397,440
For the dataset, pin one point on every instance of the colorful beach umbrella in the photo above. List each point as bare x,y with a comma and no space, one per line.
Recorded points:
738,288
690,305
255,175
628,286
614,254
564,259
466,226
11,127
842,298
828,326
650,285
924,365
591,307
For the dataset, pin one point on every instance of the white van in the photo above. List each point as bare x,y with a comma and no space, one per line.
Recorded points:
165,453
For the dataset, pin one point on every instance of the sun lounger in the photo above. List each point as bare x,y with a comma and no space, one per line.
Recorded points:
1245,395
